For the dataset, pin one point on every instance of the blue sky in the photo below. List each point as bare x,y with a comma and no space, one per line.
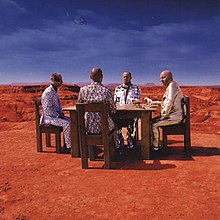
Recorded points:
38,37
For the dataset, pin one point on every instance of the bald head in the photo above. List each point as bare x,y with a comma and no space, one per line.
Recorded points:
96,74
166,77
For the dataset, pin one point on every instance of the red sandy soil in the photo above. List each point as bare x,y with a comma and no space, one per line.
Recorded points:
53,186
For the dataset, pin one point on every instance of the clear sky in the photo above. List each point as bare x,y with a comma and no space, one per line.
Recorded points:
38,37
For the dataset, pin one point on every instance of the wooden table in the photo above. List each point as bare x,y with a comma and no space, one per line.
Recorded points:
123,111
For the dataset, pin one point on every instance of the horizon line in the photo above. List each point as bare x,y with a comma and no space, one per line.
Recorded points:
149,84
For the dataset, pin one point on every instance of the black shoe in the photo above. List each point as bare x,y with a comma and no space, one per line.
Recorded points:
66,150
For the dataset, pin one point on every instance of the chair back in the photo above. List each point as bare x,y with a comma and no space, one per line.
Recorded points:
101,107
182,128
47,129
87,139
185,102
37,112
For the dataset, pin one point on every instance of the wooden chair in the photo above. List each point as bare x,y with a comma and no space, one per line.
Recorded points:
93,140
46,129
182,128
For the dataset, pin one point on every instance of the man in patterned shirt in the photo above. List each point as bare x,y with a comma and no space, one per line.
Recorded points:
125,94
52,113
96,92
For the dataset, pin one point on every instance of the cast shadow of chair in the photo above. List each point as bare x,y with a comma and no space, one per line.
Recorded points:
205,151
176,153
143,165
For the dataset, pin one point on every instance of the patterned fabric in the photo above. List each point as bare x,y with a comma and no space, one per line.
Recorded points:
51,103
124,94
96,92
171,111
52,111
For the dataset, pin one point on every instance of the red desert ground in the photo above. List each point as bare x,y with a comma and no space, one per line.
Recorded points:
53,186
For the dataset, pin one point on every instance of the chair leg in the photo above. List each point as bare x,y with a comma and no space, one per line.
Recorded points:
84,155
58,142
164,139
39,142
187,144
92,154
107,159
112,149
48,141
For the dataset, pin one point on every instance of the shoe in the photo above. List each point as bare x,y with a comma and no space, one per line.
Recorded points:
156,148
159,147
66,150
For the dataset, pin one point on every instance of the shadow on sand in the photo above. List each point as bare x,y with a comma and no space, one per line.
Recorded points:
132,160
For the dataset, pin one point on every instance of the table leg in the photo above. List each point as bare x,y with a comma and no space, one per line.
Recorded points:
75,152
145,135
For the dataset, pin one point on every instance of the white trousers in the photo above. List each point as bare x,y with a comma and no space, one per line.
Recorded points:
65,123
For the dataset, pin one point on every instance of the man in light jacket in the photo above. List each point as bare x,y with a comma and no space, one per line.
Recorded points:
171,109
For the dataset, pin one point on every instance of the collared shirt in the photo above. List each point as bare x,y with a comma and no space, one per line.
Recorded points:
96,92
51,105
124,94
171,104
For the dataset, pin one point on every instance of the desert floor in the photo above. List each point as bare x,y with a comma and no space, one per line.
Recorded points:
53,186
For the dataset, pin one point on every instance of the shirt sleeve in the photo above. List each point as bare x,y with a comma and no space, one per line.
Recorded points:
80,98
116,98
111,101
168,100
139,93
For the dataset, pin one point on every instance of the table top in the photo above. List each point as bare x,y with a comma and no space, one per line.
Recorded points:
127,107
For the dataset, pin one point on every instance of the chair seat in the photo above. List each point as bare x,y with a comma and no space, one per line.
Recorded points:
174,129
96,139
182,128
50,128
46,129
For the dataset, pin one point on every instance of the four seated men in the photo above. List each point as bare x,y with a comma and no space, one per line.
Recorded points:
126,93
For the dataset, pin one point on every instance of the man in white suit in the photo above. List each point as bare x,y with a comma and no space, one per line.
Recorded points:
171,109
52,113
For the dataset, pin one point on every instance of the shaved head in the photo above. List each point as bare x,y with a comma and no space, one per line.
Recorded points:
166,77
96,74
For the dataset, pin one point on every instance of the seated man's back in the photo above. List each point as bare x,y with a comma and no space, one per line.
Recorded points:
93,93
